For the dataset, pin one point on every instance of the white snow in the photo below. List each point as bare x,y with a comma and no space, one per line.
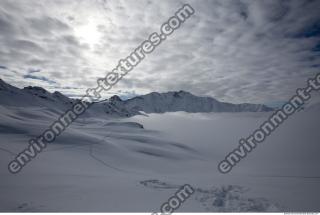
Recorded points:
111,164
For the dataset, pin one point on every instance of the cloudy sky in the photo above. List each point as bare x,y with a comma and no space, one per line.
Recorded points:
237,51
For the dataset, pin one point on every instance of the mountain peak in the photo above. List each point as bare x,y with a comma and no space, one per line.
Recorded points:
115,98
35,88
183,92
57,93
5,86
180,93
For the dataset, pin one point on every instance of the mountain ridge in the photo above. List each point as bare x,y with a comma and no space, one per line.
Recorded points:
153,102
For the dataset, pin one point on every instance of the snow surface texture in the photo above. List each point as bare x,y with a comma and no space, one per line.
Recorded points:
222,199
107,163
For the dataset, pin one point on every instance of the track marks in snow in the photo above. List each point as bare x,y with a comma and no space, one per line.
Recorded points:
229,198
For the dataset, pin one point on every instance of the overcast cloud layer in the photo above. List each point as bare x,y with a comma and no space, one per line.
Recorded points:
237,51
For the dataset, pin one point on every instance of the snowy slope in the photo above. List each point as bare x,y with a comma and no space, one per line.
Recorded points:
135,164
105,163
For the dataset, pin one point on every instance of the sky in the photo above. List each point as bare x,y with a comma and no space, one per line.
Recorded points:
232,50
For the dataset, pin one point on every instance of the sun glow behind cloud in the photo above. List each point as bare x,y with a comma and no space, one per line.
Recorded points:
88,33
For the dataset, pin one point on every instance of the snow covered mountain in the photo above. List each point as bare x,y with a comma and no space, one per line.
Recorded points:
150,103
177,101
33,96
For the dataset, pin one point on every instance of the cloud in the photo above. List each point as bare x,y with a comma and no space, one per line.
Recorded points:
34,71
41,78
233,50
46,25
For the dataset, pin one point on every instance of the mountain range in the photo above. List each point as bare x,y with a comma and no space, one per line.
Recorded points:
150,103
